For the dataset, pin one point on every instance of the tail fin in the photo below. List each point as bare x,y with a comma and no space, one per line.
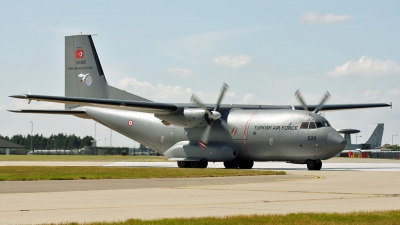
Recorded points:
376,136
84,76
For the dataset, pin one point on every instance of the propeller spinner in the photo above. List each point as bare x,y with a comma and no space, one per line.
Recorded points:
211,115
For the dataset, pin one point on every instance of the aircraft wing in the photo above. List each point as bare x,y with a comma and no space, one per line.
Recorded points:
344,106
164,108
138,106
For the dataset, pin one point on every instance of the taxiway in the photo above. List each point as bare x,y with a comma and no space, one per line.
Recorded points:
344,185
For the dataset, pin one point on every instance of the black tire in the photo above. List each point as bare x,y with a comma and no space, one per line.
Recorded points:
183,164
318,165
231,165
314,164
195,164
203,164
311,164
246,164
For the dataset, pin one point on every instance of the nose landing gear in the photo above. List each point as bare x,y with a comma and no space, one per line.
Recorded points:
314,164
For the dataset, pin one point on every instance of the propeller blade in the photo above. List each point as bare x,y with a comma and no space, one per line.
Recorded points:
195,100
212,115
321,104
300,98
221,95
205,136
224,125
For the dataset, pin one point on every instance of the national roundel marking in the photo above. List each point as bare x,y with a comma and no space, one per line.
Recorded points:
88,80
130,122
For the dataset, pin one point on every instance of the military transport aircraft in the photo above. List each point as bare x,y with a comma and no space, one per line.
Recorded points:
194,134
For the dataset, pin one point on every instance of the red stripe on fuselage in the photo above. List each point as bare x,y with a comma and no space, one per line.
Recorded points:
245,131
202,144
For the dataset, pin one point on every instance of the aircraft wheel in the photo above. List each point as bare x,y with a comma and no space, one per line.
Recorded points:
183,164
311,164
203,164
246,164
231,165
199,164
194,164
314,165
318,165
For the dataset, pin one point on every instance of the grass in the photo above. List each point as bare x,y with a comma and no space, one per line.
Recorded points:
25,173
83,158
359,218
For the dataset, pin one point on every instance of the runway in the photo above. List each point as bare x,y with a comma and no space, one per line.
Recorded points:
344,185
333,165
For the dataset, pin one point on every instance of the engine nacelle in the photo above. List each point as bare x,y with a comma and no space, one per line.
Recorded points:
190,151
188,118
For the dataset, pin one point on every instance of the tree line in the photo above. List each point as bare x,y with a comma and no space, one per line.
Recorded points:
59,141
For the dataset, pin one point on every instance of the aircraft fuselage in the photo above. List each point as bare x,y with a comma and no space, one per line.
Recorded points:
257,135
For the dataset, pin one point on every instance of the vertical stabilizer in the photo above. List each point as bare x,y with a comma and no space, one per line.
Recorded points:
84,76
376,136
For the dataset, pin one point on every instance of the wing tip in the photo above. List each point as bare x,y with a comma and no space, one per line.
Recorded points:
19,96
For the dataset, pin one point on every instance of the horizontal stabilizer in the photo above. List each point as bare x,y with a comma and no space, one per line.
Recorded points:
78,113
46,111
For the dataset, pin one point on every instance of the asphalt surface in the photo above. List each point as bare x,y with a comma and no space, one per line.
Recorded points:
344,185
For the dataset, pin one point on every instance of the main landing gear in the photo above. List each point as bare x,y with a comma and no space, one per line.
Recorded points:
314,164
247,164
193,164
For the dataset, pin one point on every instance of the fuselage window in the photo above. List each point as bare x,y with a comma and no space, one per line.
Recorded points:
304,125
312,125
319,124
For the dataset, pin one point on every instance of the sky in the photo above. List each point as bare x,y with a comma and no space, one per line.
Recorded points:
166,50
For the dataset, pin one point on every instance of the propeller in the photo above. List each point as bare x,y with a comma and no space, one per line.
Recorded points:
211,116
319,106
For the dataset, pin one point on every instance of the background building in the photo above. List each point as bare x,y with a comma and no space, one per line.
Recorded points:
7,147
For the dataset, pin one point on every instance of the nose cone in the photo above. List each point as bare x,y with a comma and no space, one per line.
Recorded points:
336,143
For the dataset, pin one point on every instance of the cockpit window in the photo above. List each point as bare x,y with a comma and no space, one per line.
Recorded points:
322,124
304,125
326,124
314,125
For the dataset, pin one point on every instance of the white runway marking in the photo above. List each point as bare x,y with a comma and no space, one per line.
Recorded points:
279,166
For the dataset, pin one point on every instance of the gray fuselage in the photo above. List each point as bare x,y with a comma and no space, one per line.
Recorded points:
258,135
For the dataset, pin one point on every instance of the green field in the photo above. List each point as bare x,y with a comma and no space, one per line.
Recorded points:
359,218
83,158
24,173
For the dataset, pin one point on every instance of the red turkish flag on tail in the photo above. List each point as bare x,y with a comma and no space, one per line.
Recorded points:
79,54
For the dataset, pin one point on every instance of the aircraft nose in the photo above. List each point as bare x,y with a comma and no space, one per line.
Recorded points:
336,143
